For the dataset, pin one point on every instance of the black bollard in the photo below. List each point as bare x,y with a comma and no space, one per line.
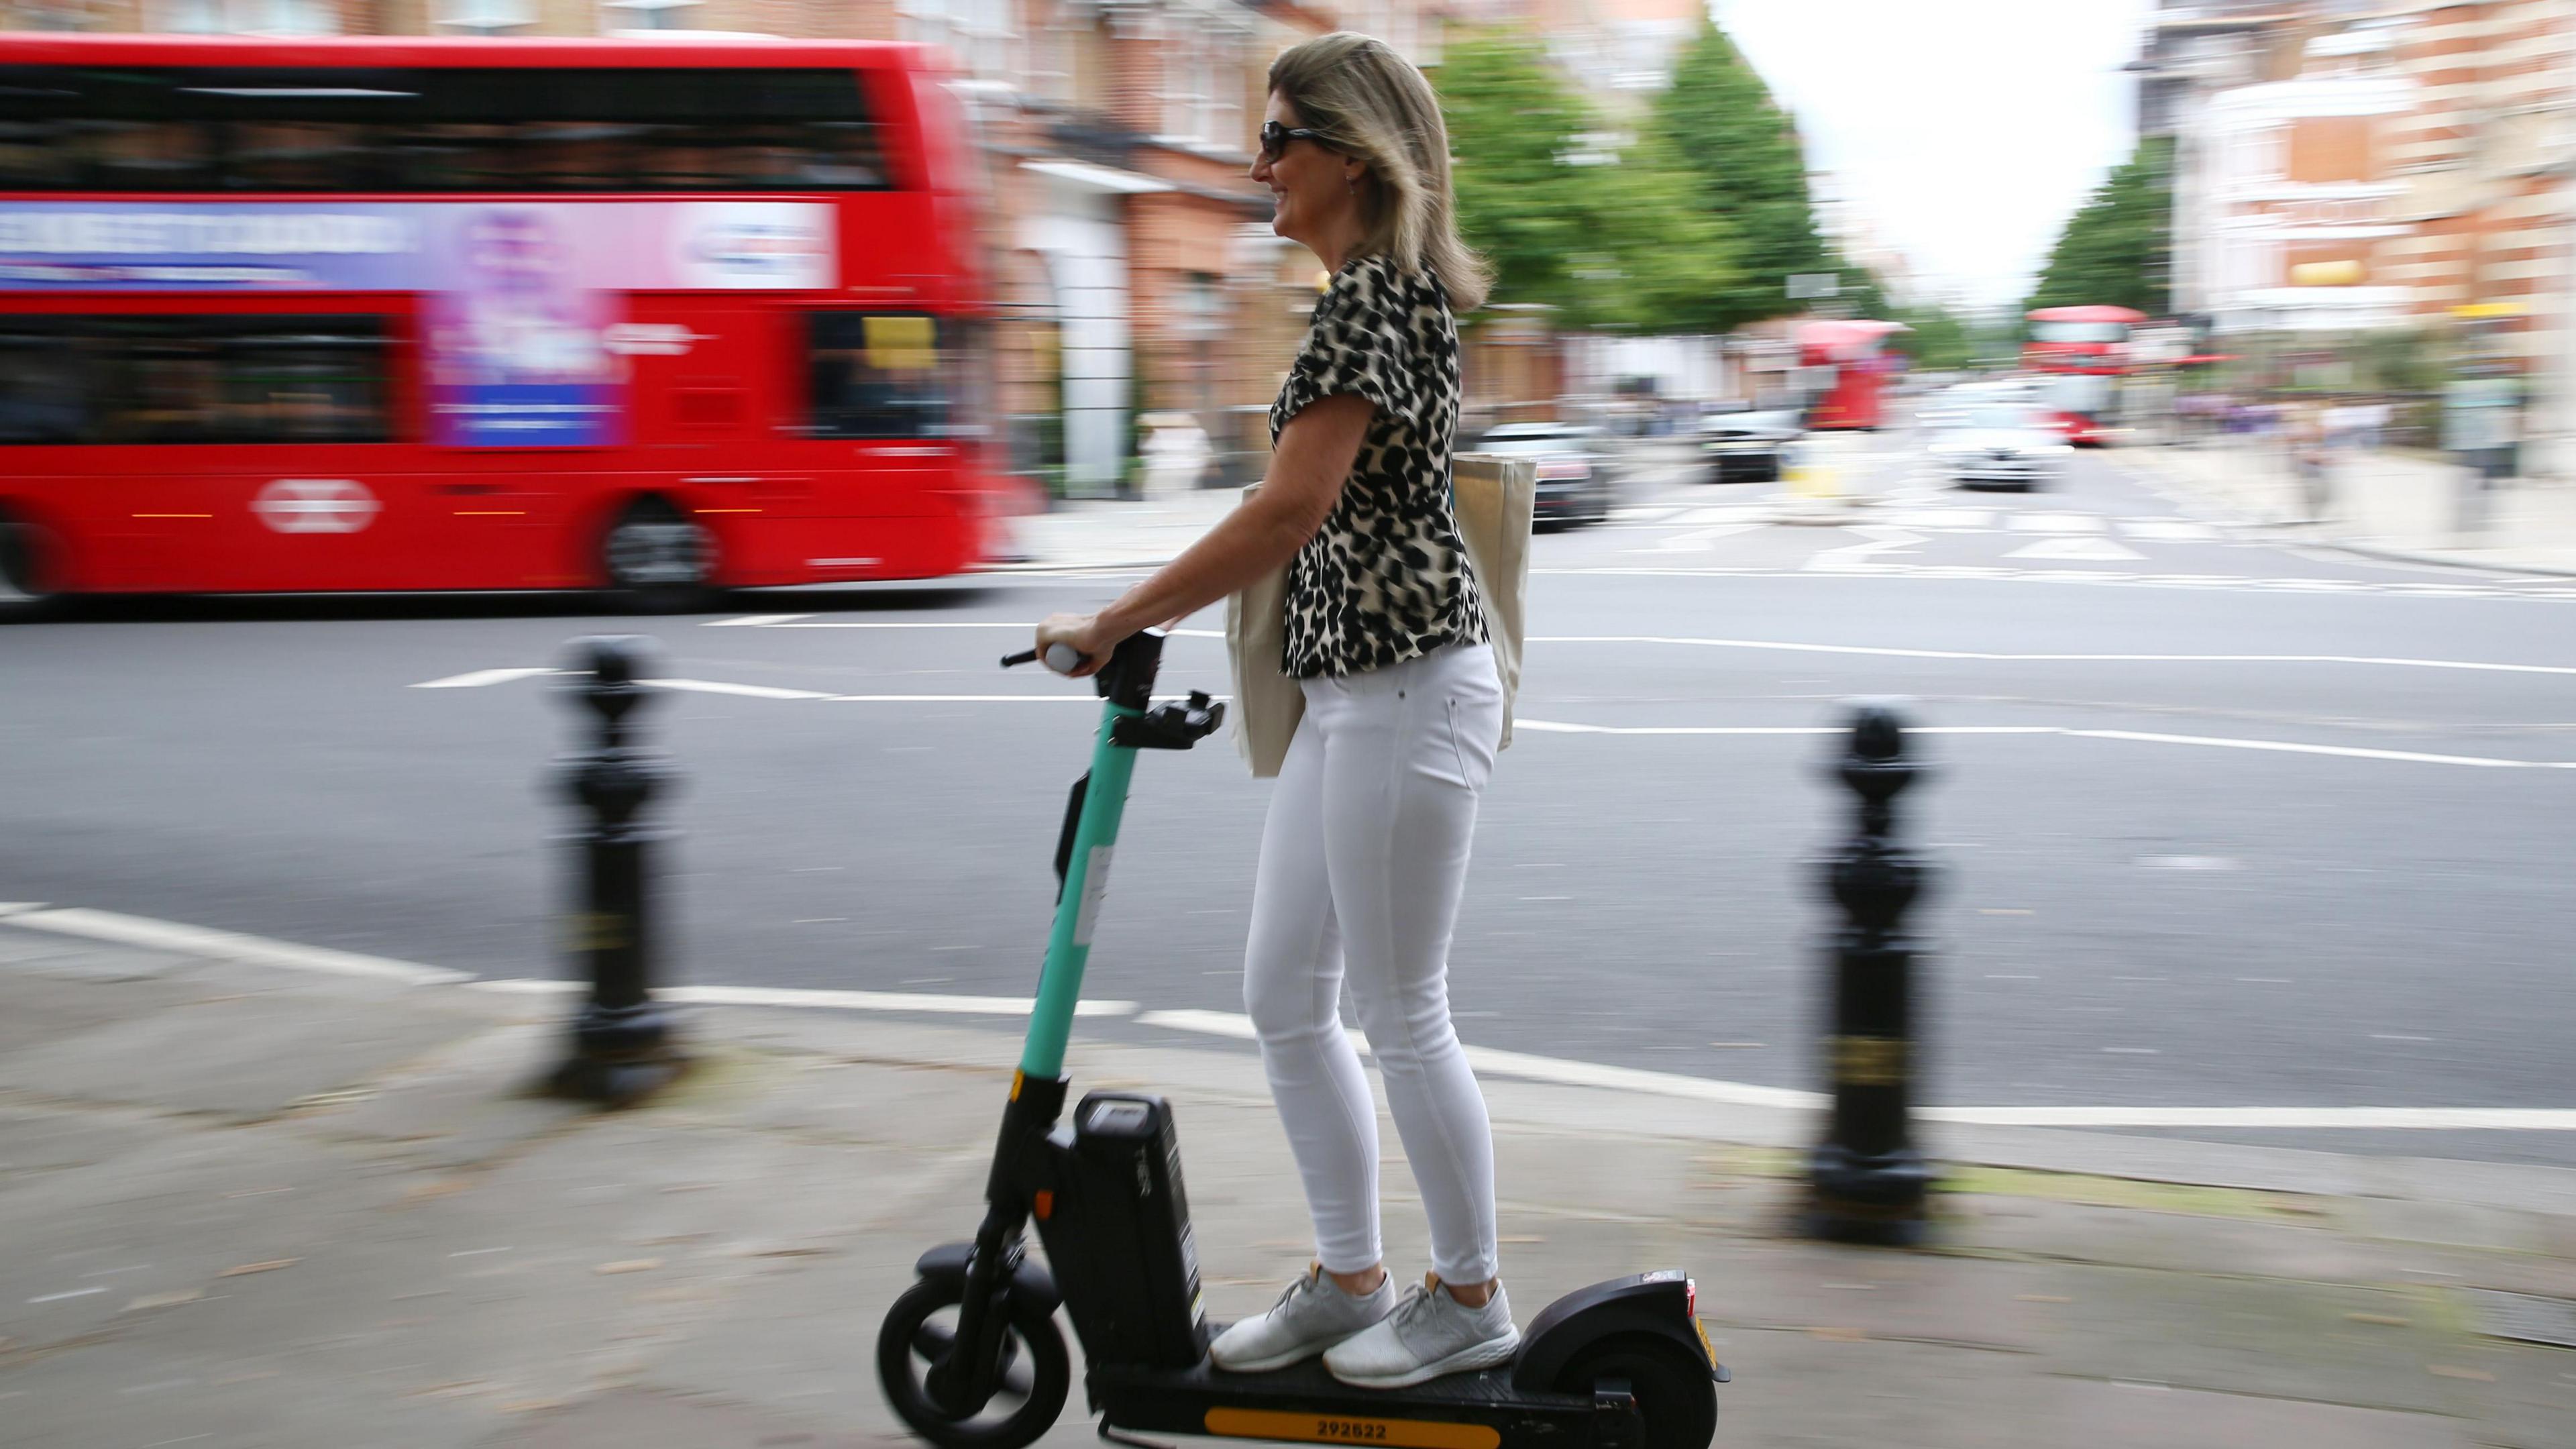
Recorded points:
622,1039
1867,1182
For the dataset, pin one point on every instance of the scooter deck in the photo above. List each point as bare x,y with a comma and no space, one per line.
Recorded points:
1305,1404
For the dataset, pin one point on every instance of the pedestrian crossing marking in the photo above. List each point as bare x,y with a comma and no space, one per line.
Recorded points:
2167,530
2058,523
2100,550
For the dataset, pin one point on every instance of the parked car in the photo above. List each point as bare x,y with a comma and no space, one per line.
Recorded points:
1574,469
2000,442
1747,447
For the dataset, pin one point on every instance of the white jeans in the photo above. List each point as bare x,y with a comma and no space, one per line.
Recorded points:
1363,859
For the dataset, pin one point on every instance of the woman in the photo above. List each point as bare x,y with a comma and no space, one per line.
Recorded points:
1364,854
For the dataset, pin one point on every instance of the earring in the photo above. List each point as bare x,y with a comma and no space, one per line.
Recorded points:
1351,184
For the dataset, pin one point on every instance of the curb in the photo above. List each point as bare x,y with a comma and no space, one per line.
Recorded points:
2163,481
2399,555
1731,1113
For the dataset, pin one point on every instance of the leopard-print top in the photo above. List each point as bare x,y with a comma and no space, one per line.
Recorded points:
1387,577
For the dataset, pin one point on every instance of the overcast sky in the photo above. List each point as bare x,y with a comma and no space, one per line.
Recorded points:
1966,130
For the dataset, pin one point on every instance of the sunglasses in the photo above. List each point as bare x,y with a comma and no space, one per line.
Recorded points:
1275,138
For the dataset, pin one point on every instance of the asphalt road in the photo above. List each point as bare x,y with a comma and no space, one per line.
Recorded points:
2222,824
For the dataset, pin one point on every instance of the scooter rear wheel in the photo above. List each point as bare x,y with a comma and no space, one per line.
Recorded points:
1675,1394
920,1331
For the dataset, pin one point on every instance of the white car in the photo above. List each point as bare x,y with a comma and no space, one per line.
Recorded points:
2000,443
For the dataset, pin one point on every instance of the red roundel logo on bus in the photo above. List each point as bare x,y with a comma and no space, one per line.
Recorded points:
316,505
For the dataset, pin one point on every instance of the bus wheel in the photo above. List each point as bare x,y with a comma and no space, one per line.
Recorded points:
658,560
24,585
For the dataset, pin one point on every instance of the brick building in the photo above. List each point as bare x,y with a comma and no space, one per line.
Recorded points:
1134,260
2345,167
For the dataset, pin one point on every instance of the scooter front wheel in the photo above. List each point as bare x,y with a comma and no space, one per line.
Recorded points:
919,1335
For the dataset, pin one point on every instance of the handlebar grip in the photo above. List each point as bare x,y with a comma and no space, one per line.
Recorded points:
1062,658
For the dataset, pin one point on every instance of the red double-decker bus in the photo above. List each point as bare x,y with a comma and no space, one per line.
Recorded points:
487,314
2082,352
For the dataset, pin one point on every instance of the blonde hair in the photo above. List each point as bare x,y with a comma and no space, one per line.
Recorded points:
1371,104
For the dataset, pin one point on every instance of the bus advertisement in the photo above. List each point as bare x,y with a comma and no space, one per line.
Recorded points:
388,314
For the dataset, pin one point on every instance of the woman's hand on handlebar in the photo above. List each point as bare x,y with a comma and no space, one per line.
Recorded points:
1084,634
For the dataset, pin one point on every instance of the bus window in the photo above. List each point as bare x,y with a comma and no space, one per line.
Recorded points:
193,379
877,375
300,156
309,130
45,386
138,155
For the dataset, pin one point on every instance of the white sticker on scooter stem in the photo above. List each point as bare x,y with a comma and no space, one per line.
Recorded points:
1095,884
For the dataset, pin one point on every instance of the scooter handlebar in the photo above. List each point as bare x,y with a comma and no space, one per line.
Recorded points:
1062,658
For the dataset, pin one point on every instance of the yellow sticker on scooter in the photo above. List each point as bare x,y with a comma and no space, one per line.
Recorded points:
1704,1345
1334,1429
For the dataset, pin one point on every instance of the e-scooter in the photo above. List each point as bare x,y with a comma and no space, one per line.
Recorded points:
970,1356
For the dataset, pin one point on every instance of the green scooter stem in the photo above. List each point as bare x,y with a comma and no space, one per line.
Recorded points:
1077,907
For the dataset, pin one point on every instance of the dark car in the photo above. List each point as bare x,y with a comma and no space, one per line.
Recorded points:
1746,447
1574,483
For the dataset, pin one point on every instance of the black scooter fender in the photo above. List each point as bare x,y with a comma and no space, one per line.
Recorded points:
1655,1304
946,1264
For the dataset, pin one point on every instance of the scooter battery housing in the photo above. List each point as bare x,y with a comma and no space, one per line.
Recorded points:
1117,1234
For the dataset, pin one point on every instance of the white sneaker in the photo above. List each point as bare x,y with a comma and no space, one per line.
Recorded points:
1429,1334
1311,1316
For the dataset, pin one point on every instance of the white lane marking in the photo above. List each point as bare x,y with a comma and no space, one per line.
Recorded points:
747,691
1889,652
1863,555
2100,550
809,997
477,678
1698,540
1561,1072
984,698
2234,583
144,931
2341,751
1943,520
808,621
59,1297
2289,747
2056,522
11,908
2167,530
1559,727
1015,626
2430,1119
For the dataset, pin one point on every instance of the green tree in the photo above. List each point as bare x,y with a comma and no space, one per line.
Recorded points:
1743,152
2117,249
1938,339
1511,120
1608,237
1654,256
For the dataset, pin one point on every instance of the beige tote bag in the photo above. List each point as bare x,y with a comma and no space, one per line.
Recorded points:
1494,499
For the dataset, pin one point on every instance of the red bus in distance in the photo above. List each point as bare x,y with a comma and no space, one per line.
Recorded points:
1847,363
471,313
2082,352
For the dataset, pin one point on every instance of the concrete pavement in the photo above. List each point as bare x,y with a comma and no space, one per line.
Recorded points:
257,1206
2384,504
